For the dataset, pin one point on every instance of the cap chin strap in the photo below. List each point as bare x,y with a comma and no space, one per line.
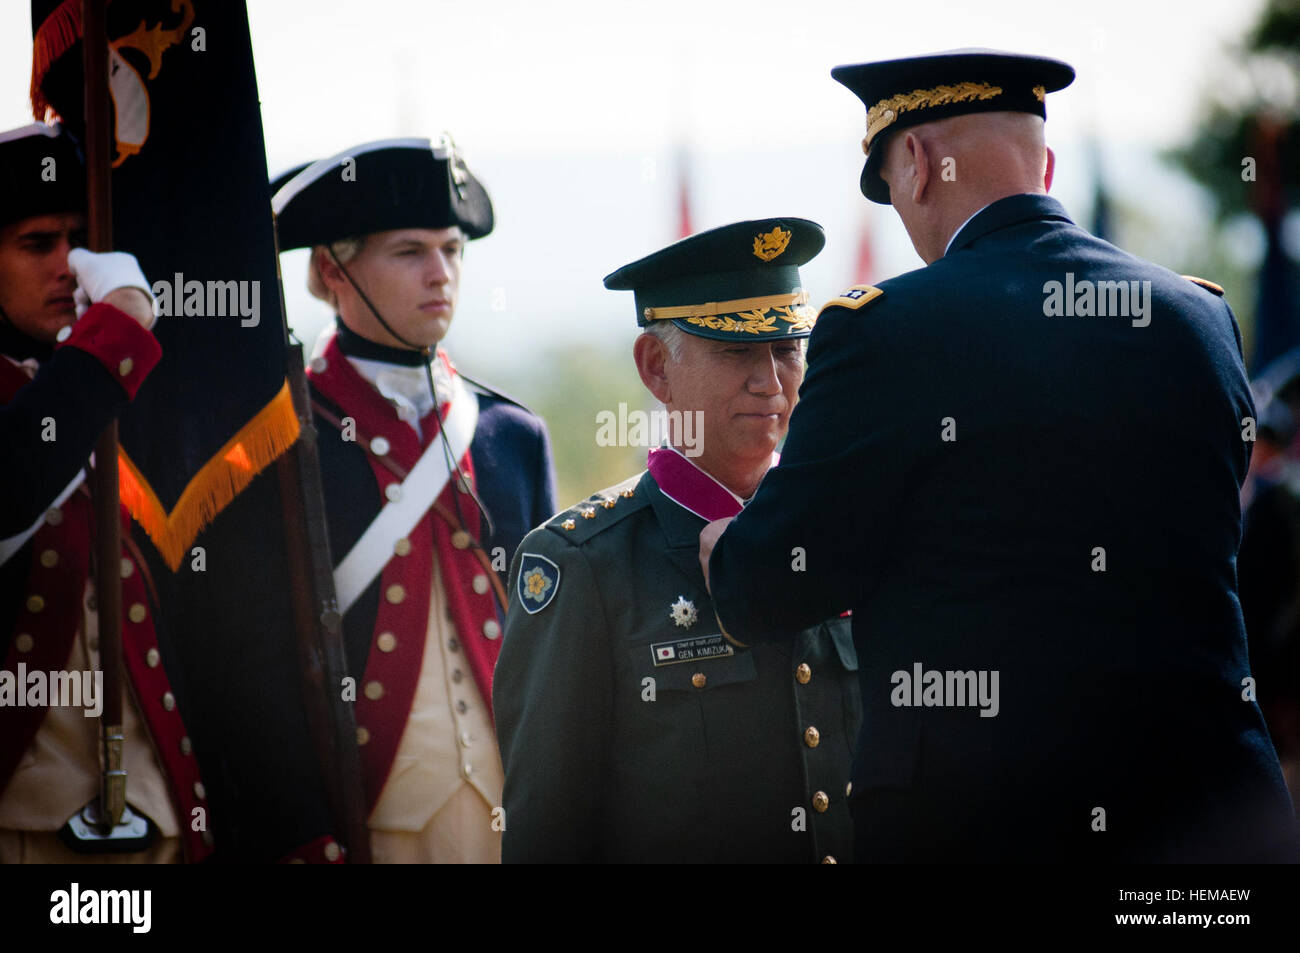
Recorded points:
427,352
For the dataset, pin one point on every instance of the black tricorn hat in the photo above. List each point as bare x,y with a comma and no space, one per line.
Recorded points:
378,187
42,171
907,92
736,282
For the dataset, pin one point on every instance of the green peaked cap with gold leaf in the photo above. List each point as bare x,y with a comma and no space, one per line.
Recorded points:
736,282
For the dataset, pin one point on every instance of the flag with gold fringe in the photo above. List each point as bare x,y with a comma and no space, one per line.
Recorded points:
190,201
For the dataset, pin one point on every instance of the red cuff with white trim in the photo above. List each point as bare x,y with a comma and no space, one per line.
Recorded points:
117,341
323,850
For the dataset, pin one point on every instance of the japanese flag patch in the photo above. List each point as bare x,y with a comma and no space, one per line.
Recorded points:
539,581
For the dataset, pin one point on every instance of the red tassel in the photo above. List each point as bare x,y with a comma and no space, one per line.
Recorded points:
61,29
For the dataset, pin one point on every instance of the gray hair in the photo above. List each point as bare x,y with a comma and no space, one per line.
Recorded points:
669,335
345,249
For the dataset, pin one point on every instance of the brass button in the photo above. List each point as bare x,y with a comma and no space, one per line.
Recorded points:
457,675
460,539
568,524
49,559
374,691
386,641
54,516
466,739
396,593
24,642
363,735
126,366
332,851
627,494
828,859
379,447
137,612
812,737
169,701
393,491
699,680
152,658
128,567
402,547
848,789
480,584
492,629
35,603
609,504
803,674
187,746
200,791
589,513
821,802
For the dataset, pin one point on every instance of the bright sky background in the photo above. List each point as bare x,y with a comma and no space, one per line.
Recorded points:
571,114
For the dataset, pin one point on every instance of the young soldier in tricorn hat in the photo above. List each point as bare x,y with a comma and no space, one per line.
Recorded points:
64,375
631,730
431,480
1056,508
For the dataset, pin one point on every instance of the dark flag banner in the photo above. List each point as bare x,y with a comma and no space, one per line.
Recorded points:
190,202
256,657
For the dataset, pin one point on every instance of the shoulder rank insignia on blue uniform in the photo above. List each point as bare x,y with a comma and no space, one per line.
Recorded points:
539,581
1209,286
854,298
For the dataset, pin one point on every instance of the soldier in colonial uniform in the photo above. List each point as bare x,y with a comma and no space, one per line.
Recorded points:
62,379
631,730
431,480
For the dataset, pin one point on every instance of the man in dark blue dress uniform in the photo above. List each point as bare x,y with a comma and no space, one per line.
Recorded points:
1020,466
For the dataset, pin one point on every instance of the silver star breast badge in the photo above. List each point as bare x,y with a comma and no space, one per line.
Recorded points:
683,612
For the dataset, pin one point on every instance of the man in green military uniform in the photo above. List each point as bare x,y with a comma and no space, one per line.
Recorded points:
630,729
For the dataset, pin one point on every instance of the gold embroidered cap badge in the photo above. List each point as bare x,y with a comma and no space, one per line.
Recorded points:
770,245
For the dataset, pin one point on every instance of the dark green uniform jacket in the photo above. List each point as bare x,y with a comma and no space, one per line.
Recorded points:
631,731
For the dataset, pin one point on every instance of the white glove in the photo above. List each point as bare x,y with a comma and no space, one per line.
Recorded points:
98,273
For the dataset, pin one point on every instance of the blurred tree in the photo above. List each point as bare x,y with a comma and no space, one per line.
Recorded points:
1246,153
569,387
